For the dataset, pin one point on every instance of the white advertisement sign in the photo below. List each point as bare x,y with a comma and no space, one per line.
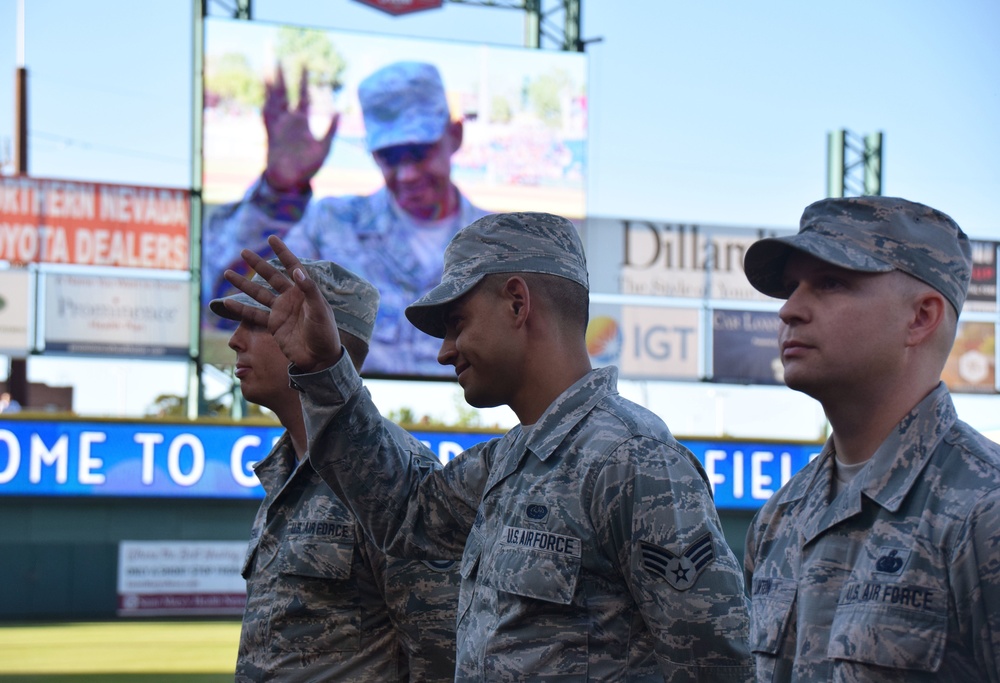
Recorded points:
117,316
645,342
181,577
650,258
16,295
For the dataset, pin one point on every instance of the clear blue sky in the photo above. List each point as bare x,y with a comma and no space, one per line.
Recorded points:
713,112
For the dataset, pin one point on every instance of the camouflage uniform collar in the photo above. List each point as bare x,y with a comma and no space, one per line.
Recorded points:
277,467
895,466
812,480
569,408
900,460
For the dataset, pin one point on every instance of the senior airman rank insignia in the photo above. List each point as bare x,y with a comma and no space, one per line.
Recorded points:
680,571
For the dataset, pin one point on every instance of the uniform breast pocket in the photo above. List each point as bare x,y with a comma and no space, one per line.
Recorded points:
536,588
883,635
316,607
771,612
537,574
308,557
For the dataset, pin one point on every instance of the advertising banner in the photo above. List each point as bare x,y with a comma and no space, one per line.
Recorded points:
971,365
117,316
149,459
645,342
93,224
743,474
660,343
636,257
175,578
16,317
495,129
983,287
745,347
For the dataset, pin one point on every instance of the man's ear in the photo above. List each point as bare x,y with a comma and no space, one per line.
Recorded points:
455,131
517,299
928,315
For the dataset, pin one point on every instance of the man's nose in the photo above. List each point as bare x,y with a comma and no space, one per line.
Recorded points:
447,353
408,170
237,340
794,309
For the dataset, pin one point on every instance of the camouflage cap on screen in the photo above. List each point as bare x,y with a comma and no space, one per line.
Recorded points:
871,235
353,299
501,243
403,104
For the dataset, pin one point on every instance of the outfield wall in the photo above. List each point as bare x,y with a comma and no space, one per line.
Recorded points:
59,556
72,490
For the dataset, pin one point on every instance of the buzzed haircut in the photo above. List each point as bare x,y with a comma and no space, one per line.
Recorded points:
945,337
568,300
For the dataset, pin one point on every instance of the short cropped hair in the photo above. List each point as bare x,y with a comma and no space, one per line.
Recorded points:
567,300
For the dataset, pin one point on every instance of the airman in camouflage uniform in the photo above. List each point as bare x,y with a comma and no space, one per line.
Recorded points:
323,603
591,549
879,560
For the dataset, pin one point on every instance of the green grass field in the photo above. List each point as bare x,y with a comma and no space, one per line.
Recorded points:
119,652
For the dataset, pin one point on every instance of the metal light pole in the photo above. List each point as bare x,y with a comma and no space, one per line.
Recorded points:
17,374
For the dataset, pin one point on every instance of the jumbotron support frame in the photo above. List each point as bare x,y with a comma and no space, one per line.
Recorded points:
543,28
854,164
549,24
237,9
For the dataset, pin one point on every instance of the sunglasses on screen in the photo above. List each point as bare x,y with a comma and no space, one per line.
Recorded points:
397,154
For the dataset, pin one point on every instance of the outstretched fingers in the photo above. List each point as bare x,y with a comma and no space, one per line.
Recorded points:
252,289
249,314
304,91
259,265
298,315
292,266
275,97
302,320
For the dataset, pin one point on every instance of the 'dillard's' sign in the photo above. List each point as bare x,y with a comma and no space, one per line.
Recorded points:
650,258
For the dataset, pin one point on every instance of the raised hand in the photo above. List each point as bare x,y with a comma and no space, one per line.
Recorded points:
299,317
293,154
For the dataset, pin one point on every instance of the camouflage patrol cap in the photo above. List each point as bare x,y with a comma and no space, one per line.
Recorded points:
353,299
403,104
501,243
870,235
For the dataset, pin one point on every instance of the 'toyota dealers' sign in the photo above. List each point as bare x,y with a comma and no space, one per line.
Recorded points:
94,224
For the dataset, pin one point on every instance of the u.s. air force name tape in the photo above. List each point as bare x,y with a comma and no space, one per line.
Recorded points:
535,539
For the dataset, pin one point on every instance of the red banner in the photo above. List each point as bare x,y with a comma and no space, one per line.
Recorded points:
94,224
397,7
